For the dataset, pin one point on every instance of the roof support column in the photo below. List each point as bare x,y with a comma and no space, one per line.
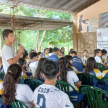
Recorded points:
75,37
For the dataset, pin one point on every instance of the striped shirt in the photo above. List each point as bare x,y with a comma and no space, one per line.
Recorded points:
75,70
97,73
105,73
84,60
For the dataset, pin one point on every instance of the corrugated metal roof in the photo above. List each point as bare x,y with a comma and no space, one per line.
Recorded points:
32,23
67,6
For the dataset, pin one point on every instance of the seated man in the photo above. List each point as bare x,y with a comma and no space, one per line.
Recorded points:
34,62
54,56
77,62
47,95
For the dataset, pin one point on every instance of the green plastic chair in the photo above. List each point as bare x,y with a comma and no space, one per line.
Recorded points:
22,80
88,79
95,96
104,81
33,83
18,104
2,74
101,67
64,86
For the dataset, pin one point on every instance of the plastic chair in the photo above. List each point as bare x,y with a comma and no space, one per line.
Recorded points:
15,104
88,79
104,81
101,67
18,104
64,86
94,96
2,74
33,83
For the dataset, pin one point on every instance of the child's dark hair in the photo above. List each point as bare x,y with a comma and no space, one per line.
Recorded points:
84,51
61,50
91,64
96,51
32,55
25,54
9,87
55,49
39,53
68,57
6,33
73,52
45,49
21,62
70,51
39,68
50,50
49,69
104,51
63,68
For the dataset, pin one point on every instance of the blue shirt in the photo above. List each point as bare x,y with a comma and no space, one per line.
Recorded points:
54,57
45,55
77,63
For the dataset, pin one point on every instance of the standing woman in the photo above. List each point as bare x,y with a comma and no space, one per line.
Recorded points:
12,90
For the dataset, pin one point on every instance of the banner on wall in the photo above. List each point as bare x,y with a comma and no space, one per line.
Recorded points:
102,38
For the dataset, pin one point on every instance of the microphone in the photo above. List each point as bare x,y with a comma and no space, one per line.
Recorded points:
18,43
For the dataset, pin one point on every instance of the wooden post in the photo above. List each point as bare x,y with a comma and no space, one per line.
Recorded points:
36,40
75,37
42,40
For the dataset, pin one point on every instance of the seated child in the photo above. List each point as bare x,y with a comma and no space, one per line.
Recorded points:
46,52
69,59
54,56
77,62
105,74
39,55
47,95
84,57
98,55
12,90
92,68
67,75
39,70
34,62
104,56
21,62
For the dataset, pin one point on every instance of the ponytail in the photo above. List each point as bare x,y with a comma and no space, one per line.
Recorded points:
8,89
10,79
63,69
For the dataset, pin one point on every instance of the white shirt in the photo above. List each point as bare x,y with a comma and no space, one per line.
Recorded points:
48,96
7,53
23,93
98,59
50,54
72,78
33,66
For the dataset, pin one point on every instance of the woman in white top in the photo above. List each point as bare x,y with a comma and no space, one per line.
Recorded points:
68,75
12,90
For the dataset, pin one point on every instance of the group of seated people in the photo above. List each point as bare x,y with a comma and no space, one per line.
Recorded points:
48,67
